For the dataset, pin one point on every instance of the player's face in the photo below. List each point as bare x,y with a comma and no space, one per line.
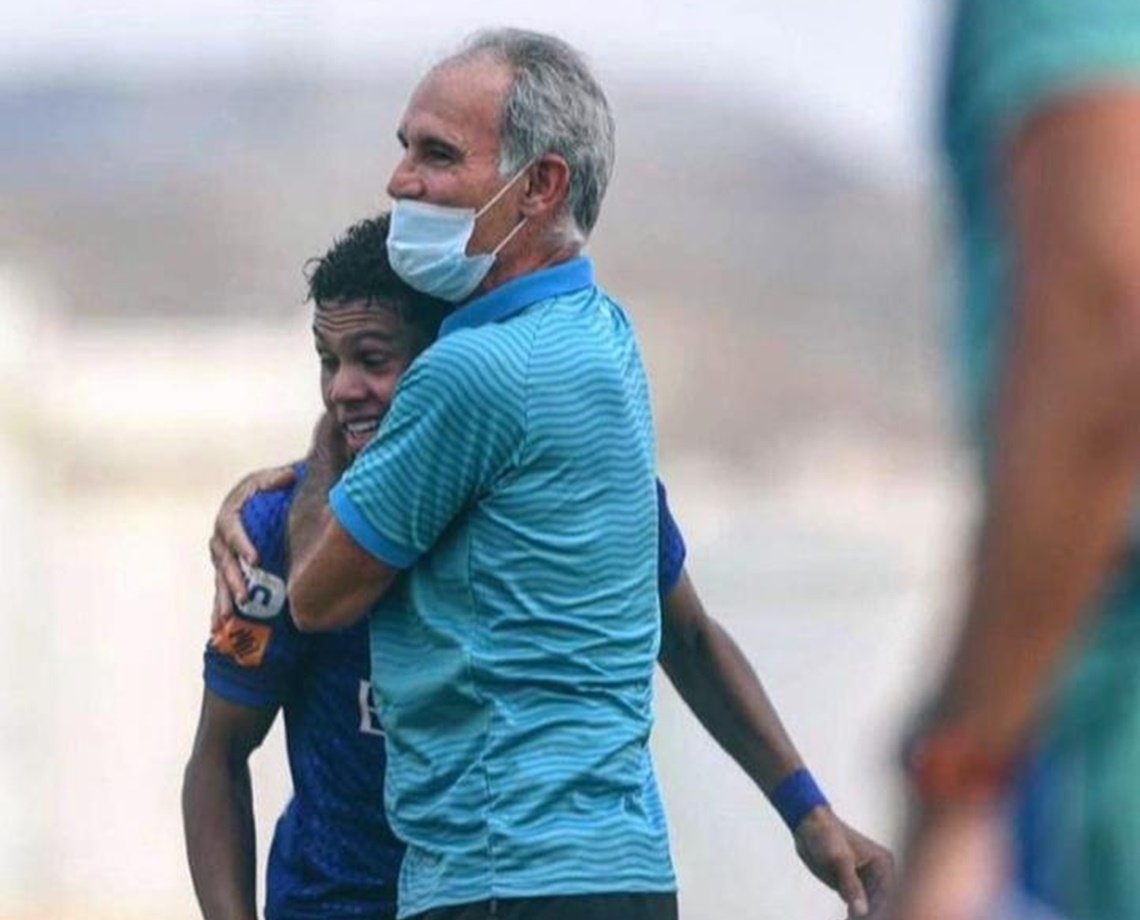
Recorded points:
363,348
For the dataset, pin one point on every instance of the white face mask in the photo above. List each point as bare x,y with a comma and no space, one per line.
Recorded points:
427,246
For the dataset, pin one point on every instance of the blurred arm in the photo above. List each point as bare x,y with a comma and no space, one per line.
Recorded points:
1066,435
217,808
1066,428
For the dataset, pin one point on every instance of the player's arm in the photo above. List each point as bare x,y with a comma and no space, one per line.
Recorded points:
711,673
217,808
718,684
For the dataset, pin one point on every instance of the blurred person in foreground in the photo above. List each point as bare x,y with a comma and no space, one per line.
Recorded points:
333,852
512,483
1030,752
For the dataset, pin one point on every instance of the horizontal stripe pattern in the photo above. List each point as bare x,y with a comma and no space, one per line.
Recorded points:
513,663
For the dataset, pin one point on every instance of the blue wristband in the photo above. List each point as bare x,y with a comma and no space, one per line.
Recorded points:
795,796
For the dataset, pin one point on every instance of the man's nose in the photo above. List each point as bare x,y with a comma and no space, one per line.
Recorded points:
405,182
347,386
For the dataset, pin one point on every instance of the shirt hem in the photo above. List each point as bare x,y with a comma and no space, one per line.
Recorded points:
527,891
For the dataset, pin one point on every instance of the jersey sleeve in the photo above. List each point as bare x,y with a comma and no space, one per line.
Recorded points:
1008,58
454,426
252,659
670,546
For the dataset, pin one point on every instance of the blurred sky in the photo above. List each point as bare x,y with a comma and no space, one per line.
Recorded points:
860,76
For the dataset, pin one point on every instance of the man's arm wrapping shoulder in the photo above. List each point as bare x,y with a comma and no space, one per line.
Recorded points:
456,424
251,658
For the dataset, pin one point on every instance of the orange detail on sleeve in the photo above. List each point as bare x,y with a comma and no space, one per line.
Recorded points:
242,641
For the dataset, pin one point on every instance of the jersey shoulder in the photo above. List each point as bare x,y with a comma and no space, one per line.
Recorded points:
265,517
251,657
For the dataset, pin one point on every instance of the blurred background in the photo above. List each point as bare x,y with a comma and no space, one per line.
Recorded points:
773,227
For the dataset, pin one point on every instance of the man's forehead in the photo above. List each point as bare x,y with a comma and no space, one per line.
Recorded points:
458,99
357,318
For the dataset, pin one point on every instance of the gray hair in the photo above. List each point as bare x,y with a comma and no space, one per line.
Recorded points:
553,106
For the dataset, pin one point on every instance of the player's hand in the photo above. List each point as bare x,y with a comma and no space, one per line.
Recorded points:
955,864
230,545
857,868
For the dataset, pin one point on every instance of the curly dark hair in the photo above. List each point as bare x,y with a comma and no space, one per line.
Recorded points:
356,268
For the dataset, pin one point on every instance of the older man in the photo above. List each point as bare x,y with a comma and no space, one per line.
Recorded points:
512,484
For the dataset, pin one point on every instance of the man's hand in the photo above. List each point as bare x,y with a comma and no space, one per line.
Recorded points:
861,871
230,543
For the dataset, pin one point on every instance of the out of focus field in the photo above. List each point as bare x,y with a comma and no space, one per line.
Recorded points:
155,346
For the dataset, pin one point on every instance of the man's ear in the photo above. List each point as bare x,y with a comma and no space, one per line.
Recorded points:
547,185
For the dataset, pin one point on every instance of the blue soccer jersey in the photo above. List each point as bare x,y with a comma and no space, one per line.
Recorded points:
333,852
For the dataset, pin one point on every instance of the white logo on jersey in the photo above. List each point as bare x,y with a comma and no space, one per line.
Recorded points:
369,711
266,593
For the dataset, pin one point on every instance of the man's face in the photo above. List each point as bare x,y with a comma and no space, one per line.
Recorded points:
364,348
450,136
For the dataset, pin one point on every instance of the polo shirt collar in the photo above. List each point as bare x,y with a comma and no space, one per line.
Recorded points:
519,293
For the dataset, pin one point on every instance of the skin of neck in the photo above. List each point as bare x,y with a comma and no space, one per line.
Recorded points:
534,248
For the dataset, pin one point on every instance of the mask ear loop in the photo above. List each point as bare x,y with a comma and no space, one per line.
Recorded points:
510,236
499,194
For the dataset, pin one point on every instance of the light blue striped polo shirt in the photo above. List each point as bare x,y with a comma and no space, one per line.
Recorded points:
514,478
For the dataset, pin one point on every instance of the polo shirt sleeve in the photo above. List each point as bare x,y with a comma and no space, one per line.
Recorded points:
455,425
1011,57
